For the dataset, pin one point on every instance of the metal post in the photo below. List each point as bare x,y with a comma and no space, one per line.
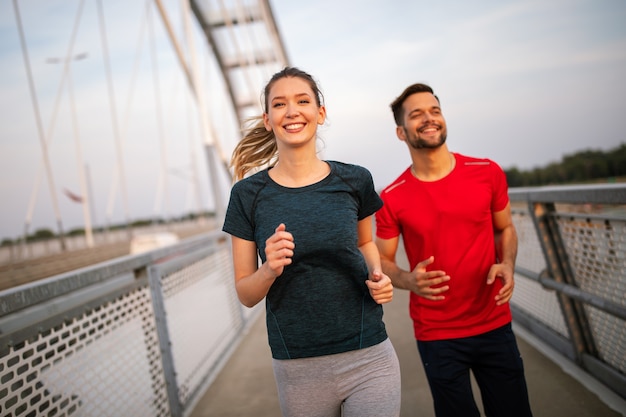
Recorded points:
560,270
165,343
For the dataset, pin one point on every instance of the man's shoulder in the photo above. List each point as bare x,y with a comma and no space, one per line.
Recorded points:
397,185
473,161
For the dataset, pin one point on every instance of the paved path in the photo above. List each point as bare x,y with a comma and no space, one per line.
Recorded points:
246,386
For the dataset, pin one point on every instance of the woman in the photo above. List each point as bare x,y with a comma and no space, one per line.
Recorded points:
310,222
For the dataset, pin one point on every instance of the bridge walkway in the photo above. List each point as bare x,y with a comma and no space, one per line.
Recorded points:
246,387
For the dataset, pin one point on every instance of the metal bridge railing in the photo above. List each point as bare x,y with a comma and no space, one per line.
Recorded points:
571,274
142,335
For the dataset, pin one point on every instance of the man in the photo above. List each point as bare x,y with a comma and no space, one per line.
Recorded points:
454,215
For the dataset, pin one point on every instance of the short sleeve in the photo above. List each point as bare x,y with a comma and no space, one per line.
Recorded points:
370,199
238,221
500,189
386,226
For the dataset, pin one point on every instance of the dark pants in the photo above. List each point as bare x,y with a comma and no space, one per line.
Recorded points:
496,363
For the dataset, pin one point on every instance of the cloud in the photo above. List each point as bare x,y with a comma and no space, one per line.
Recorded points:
521,82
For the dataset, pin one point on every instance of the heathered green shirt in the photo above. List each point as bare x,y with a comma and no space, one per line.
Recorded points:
320,305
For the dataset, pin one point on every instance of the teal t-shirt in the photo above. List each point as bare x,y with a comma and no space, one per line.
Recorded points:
320,305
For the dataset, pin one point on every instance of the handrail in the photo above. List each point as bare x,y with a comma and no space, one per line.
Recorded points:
573,243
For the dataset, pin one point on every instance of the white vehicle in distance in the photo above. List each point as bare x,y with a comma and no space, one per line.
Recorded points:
150,241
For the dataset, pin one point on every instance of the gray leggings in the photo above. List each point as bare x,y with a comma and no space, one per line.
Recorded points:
365,382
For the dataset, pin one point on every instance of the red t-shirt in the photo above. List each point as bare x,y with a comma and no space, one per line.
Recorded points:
450,219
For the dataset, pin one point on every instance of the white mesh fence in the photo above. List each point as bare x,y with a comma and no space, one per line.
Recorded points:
98,349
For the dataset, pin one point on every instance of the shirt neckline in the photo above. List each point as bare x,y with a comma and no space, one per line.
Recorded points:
304,187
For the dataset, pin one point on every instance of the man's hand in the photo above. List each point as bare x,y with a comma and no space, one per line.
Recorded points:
505,273
427,284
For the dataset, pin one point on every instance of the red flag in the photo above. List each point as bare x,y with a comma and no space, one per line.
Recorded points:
74,197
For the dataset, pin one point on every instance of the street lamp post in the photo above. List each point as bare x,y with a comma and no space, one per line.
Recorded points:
84,189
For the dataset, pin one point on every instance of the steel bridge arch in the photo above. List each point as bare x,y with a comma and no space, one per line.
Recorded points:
248,49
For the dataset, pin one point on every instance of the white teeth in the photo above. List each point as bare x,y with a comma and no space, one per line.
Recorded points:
294,126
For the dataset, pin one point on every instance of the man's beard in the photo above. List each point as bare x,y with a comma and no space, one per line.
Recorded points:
417,143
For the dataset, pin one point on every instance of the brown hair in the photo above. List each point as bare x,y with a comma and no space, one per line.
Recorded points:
396,105
258,146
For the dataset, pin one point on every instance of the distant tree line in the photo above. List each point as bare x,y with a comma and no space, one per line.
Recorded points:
580,167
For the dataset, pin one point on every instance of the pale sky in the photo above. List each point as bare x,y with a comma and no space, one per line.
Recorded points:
522,82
